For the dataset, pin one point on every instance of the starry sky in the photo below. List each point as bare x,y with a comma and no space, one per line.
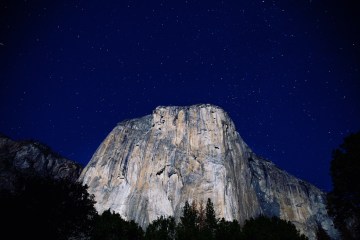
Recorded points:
286,71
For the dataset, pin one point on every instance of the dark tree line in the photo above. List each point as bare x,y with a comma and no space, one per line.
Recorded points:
110,226
44,208
199,223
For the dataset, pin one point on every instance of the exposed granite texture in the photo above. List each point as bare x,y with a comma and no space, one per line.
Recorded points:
150,166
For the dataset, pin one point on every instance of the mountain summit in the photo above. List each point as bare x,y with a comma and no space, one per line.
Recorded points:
148,167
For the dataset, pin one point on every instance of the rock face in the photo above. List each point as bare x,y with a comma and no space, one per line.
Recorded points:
31,158
150,166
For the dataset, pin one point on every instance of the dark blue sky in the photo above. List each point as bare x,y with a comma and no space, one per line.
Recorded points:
287,72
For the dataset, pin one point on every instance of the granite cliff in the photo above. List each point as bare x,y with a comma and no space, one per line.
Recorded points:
150,166
20,159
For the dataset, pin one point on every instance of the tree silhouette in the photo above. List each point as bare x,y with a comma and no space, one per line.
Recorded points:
161,229
110,226
228,230
344,199
264,228
201,215
47,209
208,231
210,218
187,228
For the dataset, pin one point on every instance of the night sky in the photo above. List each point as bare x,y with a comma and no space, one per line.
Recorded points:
287,72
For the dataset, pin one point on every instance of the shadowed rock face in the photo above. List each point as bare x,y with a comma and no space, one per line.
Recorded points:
31,158
150,166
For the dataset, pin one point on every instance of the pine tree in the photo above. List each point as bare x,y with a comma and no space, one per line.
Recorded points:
187,228
228,230
111,226
264,228
210,217
210,221
201,215
344,199
161,229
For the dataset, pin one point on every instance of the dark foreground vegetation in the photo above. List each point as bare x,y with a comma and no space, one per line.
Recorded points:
199,222
44,208
344,199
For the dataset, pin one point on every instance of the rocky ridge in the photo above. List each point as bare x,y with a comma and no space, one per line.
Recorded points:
31,158
150,166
